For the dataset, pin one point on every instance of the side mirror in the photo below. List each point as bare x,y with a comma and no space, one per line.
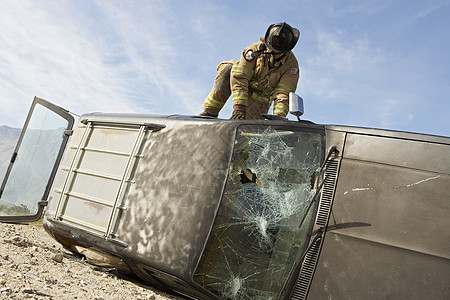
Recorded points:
296,105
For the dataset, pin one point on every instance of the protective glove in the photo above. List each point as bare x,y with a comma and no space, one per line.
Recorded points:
206,114
238,113
274,117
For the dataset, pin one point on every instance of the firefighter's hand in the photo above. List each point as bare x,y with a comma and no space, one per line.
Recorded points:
238,113
279,118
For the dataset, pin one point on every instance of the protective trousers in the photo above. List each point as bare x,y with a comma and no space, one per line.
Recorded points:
221,91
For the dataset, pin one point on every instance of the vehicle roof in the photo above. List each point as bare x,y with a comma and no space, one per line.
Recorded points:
146,118
391,133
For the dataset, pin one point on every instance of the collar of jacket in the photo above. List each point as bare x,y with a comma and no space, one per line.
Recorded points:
282,59
285,57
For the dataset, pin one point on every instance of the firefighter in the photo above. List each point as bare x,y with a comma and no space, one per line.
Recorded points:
266,72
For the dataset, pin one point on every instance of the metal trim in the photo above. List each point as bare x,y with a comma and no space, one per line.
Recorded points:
150,126
309,264
90,199
72,166
69,219
311,257
128,167
101,150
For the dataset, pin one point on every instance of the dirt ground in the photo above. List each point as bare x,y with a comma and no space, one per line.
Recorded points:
34,266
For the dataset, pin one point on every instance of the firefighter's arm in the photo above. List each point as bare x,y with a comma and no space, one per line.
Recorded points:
288,83
241,74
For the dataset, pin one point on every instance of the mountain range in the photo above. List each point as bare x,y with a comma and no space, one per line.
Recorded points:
8,141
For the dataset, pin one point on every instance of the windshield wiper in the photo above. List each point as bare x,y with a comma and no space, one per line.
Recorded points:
319,188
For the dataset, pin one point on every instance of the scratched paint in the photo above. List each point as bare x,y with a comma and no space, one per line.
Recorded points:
358,190
422,181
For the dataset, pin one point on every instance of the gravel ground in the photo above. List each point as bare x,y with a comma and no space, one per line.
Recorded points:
34,266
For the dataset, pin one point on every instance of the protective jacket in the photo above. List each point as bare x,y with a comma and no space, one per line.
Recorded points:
255,81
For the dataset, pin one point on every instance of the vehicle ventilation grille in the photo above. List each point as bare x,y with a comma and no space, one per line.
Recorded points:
306,272
327,193
309,263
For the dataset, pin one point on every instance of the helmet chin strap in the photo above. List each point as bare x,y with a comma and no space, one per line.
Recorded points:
261,52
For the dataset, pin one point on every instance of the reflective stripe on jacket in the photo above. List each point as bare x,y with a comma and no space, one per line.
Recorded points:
255,81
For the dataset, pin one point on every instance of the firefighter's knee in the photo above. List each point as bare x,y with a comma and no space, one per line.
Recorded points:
222,82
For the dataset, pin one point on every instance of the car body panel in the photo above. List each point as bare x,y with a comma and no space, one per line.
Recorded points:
397,184
162,198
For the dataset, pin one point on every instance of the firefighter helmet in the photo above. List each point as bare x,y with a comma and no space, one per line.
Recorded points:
281,37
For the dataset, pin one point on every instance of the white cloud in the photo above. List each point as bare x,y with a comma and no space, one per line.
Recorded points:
334,71
102,56
352,78
160,56
391,112
44,54
431,7
358,8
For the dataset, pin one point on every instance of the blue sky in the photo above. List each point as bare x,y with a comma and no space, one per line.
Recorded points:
381,64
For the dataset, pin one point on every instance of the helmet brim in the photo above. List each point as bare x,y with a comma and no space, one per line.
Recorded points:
290,46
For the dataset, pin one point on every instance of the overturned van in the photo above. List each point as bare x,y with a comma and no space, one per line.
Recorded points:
224,209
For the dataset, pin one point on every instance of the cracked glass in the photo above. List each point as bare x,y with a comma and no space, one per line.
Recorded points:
257,240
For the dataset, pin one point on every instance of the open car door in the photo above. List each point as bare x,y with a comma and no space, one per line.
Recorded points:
33,165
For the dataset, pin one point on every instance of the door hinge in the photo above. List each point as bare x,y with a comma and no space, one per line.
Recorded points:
13,157
68,132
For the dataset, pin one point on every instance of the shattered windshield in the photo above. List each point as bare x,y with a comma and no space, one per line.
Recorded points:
256,239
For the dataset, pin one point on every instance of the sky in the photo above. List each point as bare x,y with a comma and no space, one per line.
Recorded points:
379,64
